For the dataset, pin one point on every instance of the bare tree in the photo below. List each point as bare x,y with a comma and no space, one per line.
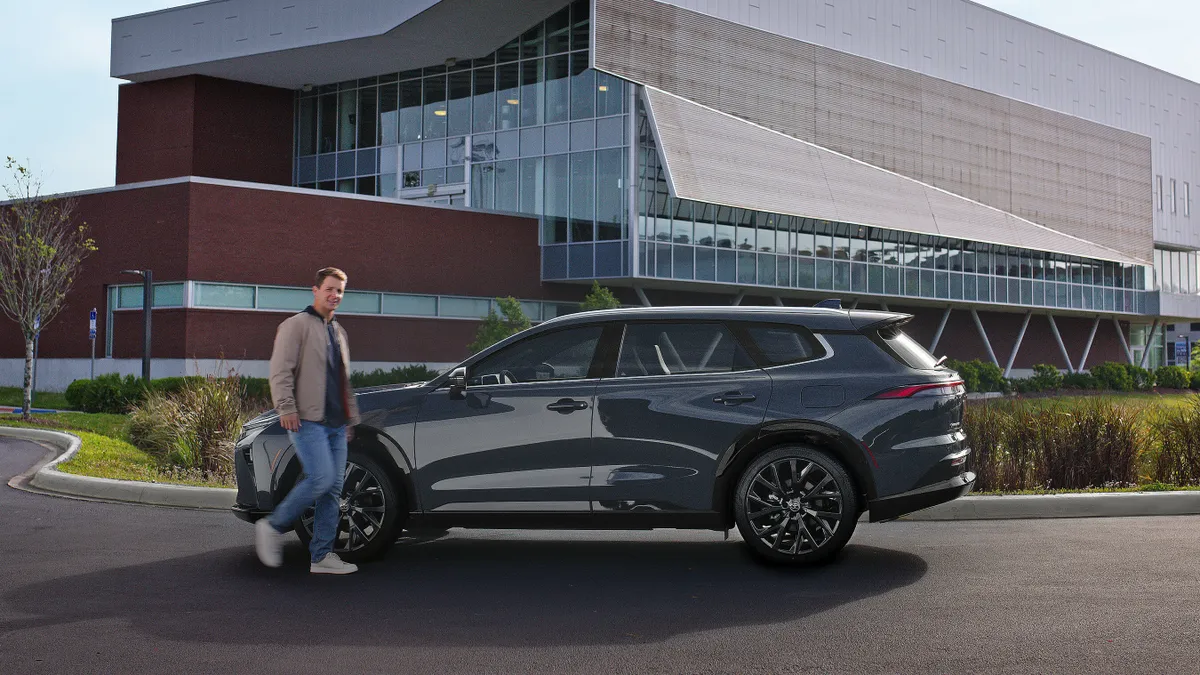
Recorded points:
41,248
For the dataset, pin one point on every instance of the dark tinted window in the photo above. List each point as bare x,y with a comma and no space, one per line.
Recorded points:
680,349
907,349
561,355
779,344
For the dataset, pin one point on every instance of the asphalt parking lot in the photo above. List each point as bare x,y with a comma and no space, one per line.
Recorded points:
95,587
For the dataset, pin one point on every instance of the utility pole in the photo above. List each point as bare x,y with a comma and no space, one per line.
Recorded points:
147,306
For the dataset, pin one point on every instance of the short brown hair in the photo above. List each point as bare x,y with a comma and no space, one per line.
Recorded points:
325,272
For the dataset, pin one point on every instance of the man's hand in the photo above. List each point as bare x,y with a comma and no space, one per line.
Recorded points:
290,422
349,433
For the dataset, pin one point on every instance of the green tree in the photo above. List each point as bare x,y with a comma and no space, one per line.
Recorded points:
41,249
494,328
599,298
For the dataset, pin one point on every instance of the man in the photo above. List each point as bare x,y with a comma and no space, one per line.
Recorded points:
310,386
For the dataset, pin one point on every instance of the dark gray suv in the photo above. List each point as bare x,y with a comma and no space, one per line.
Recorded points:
787,422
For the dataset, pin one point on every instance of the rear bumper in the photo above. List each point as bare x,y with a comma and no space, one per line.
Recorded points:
890,508
248,513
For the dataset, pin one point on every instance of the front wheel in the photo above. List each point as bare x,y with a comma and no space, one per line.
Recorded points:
796,505
370,511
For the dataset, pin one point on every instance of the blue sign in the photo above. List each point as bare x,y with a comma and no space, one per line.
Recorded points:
92,325
1181,353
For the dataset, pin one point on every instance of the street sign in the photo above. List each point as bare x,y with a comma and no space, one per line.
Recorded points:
92,325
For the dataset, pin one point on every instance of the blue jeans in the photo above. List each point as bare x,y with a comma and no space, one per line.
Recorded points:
322,453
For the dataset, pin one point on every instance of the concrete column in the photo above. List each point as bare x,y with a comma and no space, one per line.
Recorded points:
1149,342
937,337
1061,347
983,334
1016,347
1088,349
642,296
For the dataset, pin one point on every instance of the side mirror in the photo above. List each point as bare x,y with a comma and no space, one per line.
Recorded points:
458,378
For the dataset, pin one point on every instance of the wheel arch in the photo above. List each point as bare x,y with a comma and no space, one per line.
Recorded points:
841,445
380,447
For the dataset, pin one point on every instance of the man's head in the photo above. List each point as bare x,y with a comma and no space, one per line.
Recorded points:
328,290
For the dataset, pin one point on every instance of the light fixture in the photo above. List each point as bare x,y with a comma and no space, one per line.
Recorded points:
439,113
306,88
512,101
450,62
604,87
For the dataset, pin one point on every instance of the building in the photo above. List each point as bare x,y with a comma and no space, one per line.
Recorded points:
1025,195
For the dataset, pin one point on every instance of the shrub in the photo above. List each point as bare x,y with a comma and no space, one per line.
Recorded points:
105,394
193,428
1143,379
978,376
1176,432
418,372
1113,376
1047,377
494,328
1020,446
1084,381
1173,377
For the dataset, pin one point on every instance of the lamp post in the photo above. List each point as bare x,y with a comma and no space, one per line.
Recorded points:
147,304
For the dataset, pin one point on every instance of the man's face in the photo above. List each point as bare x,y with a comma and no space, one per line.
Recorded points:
328,295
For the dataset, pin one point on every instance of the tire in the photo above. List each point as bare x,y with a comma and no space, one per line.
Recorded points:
786,524
361,535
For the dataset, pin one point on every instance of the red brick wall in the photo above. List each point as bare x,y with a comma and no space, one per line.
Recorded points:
203,126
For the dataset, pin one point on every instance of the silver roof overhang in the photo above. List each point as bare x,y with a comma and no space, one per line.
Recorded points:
714,157
290,44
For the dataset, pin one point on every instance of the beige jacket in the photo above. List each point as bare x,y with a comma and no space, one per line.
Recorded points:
298,364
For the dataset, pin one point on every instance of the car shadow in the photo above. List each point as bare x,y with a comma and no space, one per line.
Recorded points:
430,592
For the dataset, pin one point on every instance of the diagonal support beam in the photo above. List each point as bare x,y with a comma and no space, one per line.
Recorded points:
1149,343
1017,346
983,334
779,301
854,305
1088,349
883,306
737,299
1061,347
1124,342
642,296
937,337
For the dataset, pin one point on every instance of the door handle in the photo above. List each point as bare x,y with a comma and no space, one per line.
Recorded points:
567,405
734,398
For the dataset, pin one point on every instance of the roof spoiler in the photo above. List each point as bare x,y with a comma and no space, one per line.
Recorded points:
865,319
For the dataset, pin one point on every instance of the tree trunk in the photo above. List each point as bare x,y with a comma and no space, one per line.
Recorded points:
28,400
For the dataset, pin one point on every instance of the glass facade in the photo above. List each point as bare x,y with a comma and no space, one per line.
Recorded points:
692,241
1176,271
529,129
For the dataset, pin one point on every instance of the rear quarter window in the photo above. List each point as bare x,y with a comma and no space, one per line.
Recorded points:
780,344
906,349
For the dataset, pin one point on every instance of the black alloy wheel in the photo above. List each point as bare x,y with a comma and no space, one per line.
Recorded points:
796,505
369,512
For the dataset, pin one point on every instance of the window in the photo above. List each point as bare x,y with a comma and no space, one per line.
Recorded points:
680,349
906,349
1158,190
1172,195
560,355
1187,199
780,345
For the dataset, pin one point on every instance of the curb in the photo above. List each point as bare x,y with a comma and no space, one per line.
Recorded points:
49,479
1082,505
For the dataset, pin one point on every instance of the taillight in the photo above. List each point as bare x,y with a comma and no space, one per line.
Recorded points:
952,388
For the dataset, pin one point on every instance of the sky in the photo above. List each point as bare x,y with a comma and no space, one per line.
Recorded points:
58,106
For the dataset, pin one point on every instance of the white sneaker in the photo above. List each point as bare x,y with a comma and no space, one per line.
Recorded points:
332,564
268,543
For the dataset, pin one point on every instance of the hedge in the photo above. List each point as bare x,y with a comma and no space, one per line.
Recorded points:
113,394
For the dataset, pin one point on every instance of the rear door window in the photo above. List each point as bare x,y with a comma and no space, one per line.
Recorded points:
680,349
782,344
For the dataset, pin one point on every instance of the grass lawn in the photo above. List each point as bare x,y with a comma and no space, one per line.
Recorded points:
105,451
15,396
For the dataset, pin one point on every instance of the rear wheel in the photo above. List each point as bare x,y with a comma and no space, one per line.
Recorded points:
370,515
796,505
